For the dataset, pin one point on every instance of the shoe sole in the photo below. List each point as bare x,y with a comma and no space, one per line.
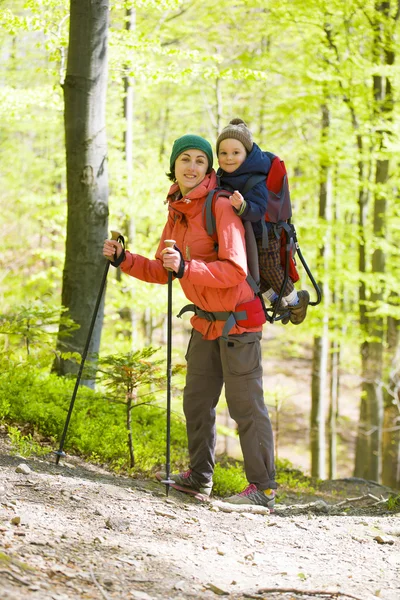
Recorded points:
180,488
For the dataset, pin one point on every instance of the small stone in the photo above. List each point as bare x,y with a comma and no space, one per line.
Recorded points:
136,595
180,586
117,524
16,520
23,468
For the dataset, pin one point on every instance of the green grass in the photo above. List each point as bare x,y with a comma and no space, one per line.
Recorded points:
37,404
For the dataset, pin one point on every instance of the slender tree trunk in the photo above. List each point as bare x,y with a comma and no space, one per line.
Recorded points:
129,430
164,128
218,105
391,419
334,409
363,199
129,223
87,182
338,303
369,442
319,385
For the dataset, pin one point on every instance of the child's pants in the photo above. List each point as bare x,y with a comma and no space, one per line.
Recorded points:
272,273
237,363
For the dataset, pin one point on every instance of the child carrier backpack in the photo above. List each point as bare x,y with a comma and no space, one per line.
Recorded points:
279,209
278,215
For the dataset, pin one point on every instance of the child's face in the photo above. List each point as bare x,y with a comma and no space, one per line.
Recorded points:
231,154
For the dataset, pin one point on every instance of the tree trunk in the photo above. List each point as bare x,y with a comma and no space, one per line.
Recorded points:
334,409
87,182
129,405
336,329
369,441
129,223
319,385
391,419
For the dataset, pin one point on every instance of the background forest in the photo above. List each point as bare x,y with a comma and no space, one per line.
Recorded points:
92,96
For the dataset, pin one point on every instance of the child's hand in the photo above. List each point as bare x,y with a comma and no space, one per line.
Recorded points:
236,199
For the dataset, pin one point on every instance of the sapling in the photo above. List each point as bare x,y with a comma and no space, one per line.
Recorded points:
34,325
125,377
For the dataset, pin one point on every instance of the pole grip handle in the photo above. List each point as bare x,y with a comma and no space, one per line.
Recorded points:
169,244
115,235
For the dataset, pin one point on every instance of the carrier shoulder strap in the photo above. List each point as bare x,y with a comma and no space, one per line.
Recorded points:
253,277
208,214
252,181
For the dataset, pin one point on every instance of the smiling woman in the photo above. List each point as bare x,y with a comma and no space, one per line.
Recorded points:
214,281
190,169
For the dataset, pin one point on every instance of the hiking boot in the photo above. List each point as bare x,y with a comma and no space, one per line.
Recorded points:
252,495
185,482
299,311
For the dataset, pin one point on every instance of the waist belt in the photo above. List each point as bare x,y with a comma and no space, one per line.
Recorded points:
248,314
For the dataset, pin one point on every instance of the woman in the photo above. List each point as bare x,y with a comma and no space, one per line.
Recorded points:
214,280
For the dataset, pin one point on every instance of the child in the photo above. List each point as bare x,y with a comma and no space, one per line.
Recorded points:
239,158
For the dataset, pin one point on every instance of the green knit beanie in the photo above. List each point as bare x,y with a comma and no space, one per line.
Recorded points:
188,142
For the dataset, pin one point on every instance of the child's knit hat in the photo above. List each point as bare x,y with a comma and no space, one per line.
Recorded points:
238,130
188,142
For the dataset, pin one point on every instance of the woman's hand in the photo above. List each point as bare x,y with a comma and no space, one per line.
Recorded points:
236,199
171,259
112,249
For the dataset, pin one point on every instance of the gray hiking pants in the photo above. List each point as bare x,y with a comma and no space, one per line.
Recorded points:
237,364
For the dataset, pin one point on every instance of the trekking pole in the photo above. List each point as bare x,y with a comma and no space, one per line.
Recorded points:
115,235
167,480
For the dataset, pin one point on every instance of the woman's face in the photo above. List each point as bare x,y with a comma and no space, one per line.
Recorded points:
190,169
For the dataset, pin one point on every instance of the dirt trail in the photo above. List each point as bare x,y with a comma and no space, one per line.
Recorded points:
75,531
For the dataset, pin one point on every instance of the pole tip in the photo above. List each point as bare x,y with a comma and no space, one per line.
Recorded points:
59,454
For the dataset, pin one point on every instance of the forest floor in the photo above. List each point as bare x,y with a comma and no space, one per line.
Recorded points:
76,531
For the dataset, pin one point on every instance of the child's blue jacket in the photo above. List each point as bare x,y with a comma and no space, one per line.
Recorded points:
256,163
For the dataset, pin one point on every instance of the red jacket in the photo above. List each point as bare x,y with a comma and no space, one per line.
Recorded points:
213,280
